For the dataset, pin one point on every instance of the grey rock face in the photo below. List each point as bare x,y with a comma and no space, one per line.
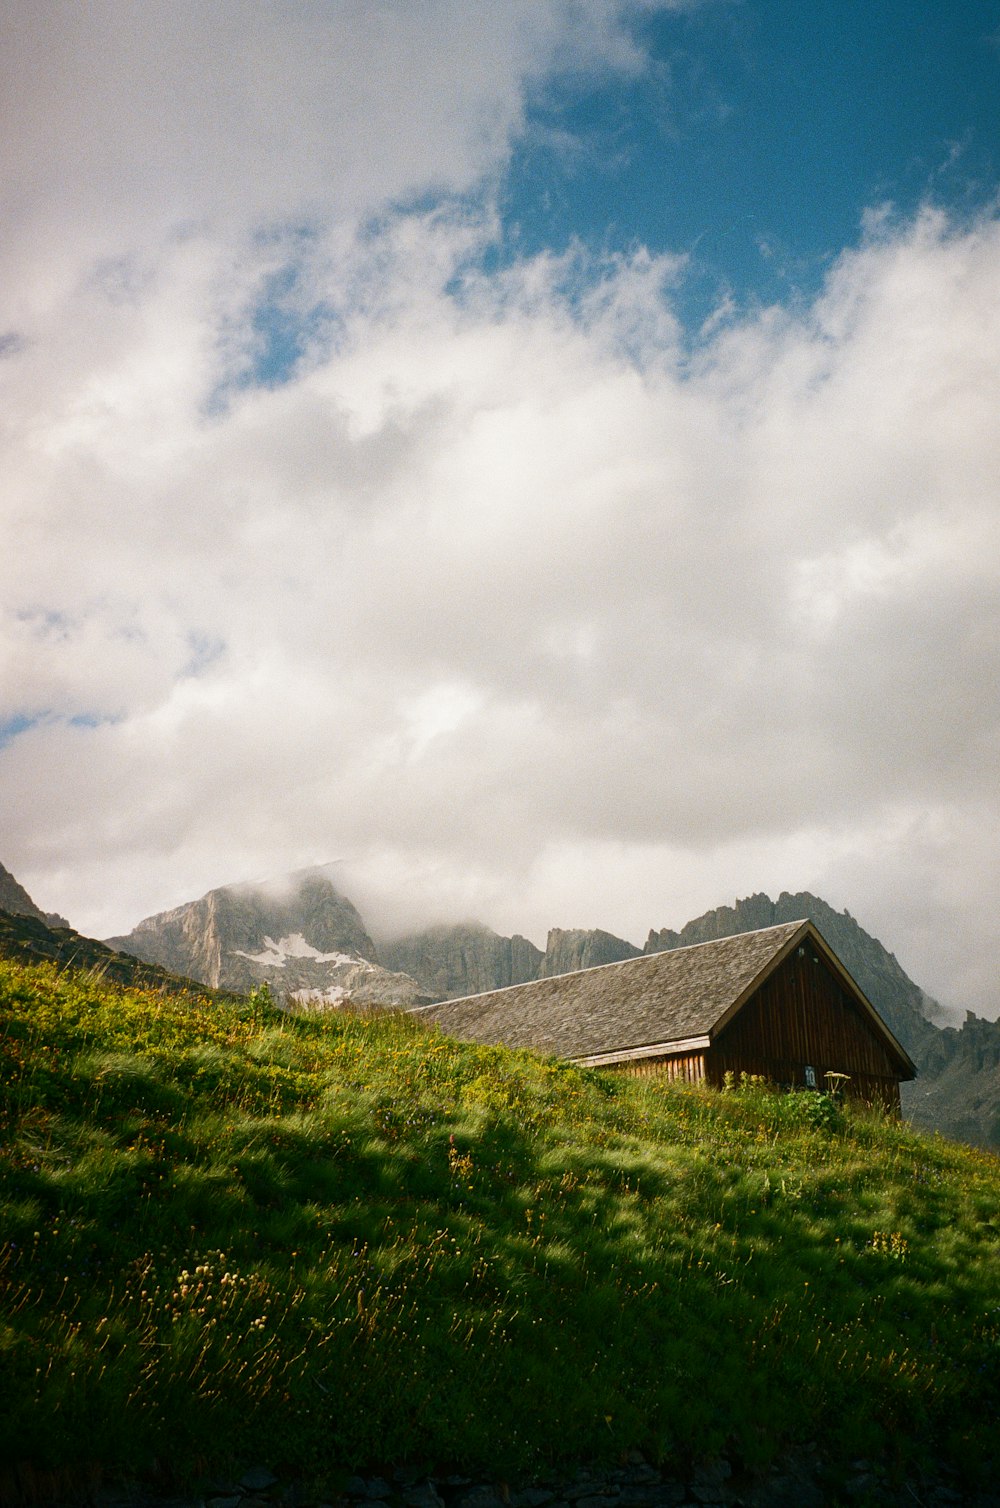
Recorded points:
568,950
302,938
450,962
465,960
958,1088
16,900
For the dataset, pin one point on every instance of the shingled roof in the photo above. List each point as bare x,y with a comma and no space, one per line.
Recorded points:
657,1003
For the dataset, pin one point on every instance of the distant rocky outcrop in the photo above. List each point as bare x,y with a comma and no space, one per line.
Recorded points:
570,949
451,962
958,1089
16,900
465,960
301,937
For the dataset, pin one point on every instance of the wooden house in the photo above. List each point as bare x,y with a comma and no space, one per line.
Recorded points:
777,1002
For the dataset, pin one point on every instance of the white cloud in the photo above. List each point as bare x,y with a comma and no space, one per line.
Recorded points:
502,596
127,122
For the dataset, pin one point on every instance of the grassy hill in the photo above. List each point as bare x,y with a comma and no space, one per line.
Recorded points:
29,939
227,1234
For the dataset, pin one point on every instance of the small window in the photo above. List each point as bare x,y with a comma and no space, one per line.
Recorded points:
810,1078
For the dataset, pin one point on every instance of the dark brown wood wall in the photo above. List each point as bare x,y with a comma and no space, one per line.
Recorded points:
803,1015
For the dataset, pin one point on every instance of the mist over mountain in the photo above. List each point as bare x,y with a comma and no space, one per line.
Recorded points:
301,937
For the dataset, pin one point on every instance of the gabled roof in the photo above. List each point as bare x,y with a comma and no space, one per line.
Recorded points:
656,1004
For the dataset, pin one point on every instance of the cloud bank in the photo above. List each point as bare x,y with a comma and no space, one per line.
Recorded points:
336,536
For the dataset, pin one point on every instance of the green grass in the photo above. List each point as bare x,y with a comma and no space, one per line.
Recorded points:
328,1243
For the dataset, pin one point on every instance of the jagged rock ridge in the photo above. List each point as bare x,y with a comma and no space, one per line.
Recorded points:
462,960
16,901
958,1091
570,949
471,959
303,939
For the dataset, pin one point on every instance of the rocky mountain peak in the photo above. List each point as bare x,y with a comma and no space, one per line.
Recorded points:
571,948
300,936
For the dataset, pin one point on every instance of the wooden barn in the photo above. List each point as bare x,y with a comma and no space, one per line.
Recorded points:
777,1002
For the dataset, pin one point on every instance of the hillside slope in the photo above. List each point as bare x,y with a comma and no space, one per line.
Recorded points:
302,937
26,939
231,1235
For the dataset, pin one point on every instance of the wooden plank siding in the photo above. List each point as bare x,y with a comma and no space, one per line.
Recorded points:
800,1016
689,1067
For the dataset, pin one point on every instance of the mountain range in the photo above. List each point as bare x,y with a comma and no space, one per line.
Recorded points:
309,943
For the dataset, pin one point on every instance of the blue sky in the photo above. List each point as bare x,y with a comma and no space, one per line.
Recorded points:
757,142
761,135
541,454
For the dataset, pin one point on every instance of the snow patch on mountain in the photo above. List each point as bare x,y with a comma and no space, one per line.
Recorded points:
277,954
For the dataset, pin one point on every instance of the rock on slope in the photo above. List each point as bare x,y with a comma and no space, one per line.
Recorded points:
15,900
472,959
570,949
301,937
462,960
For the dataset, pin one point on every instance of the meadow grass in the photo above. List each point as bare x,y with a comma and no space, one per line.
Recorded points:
230,1234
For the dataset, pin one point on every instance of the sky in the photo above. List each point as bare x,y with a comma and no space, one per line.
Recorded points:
542,454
